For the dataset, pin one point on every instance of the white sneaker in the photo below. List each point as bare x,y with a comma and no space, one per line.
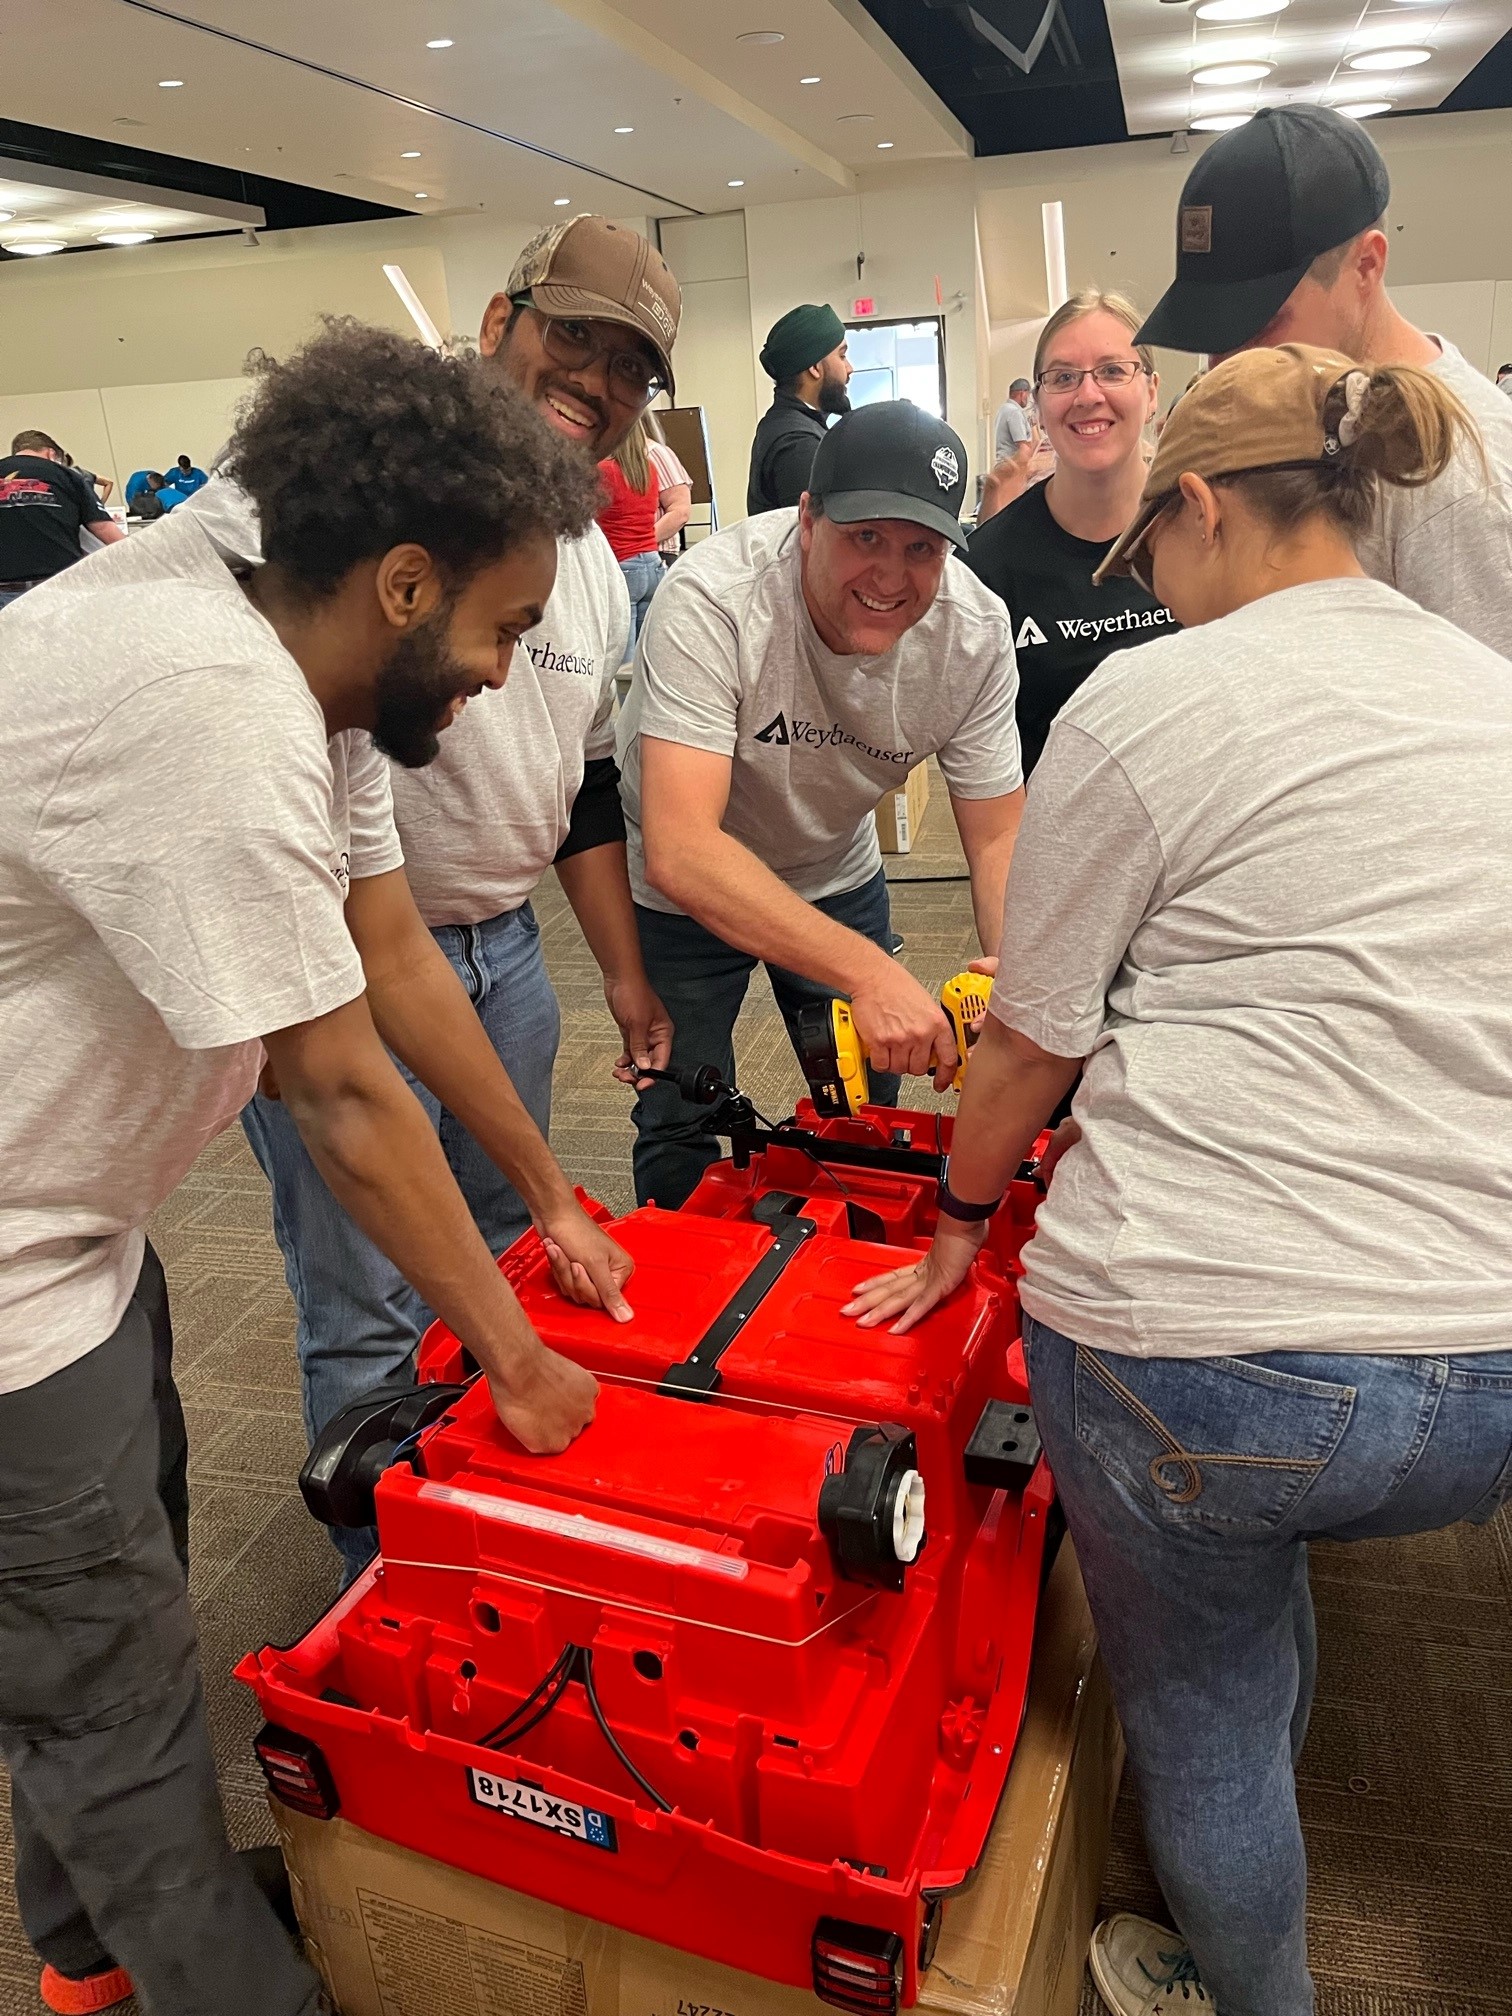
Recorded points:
1142,1969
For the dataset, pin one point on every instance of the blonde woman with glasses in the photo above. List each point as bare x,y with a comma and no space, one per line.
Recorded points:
1096,390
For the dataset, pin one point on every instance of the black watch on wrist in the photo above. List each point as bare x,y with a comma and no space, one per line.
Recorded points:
957,1207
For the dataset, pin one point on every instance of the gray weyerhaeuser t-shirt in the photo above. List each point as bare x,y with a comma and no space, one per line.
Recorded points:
176,838
483,823
1449,545
729,661
1264,886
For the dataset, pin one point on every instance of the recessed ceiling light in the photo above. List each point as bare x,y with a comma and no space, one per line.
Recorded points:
810,80
624,129
883,145
422,195
560,202
6,216
1390,59
36,248
1364,108
738,183
763,38
410,154
855,119
1221,122
1232,73
441,42
125,238
170,83
1240,10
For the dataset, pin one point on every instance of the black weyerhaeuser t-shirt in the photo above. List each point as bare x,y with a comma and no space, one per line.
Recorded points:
42,506
1063,627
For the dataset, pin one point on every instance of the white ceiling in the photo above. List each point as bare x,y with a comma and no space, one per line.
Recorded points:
1309,43
54,206
519,111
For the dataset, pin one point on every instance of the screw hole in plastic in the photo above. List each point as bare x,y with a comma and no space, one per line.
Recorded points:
486,1616
648,1665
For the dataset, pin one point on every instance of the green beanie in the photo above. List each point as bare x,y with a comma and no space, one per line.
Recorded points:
800,339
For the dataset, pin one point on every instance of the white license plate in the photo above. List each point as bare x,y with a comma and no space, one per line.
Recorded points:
528,1802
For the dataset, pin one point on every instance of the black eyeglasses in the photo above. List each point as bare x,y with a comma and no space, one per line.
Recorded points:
1116,371
634,378
1139,560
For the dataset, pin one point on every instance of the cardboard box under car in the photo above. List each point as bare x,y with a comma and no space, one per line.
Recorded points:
901,813
395,1934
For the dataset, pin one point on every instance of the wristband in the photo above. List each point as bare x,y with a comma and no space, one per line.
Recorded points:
957,1207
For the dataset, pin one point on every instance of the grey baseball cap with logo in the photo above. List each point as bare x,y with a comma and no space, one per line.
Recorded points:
892,460
595,270
1262,203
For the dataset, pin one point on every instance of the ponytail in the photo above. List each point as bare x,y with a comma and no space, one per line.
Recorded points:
1391,424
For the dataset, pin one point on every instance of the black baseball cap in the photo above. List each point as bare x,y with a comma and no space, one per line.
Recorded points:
892,460
1262,203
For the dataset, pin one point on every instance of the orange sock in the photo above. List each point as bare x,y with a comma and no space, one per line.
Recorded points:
81,1998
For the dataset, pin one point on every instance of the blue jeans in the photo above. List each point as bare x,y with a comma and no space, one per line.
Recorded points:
702,983
1191,1488
358,1319
643,576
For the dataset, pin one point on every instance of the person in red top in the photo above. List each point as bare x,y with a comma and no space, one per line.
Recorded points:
630,514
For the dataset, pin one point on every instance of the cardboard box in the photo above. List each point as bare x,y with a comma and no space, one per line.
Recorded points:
394,1934
901,813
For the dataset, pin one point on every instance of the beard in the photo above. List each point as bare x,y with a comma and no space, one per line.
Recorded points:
834,399
417,684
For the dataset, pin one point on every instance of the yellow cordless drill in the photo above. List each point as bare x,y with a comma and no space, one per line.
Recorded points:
834,1058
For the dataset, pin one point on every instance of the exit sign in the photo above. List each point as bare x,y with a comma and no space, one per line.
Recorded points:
865,306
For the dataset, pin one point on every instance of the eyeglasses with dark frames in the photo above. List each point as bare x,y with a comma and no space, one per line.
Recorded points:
635,379
1112,374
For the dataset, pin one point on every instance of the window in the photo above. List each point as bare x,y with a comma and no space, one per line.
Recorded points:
898,360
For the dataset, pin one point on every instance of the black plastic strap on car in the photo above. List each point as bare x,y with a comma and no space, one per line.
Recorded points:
697,1376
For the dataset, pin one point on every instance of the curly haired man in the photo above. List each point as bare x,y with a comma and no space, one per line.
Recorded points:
192,790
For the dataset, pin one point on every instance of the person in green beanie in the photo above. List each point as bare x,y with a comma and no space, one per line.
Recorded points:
804,355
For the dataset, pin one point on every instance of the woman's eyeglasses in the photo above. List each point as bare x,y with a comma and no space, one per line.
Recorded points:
1139,560
634,378
1117,371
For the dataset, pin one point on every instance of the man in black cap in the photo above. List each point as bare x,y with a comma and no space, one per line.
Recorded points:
805,353
792,670
1279,239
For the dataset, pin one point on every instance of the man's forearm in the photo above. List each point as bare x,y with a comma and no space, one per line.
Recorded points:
424,1016
597,885
375,1148
989,885
725,888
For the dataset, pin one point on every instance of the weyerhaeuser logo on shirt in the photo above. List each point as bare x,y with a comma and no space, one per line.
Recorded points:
780,733
1091,627
546,658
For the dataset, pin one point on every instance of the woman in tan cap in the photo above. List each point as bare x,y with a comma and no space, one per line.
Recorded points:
1262,888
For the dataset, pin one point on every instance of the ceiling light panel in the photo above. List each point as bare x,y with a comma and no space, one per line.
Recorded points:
1313,52
59,207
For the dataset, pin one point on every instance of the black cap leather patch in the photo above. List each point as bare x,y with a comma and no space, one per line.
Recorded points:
1196,229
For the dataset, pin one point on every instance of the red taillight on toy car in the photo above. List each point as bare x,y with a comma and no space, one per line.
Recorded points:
856,1967
296,1771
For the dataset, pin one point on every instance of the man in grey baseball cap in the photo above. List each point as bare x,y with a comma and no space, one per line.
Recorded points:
793,669
1280,239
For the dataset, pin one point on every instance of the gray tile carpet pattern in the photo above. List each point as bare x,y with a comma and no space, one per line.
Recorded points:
1406,1784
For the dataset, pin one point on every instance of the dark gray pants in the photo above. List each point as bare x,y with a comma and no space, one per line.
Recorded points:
121,1850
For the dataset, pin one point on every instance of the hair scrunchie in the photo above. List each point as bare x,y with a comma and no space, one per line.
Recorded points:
1347,429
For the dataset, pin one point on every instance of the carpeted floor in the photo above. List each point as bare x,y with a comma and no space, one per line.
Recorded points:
1407,1779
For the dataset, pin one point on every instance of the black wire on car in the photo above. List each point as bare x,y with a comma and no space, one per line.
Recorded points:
573,1662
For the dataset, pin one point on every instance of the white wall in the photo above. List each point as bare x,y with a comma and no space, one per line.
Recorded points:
716,366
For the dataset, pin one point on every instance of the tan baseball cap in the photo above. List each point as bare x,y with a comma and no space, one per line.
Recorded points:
603,272
1261,409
